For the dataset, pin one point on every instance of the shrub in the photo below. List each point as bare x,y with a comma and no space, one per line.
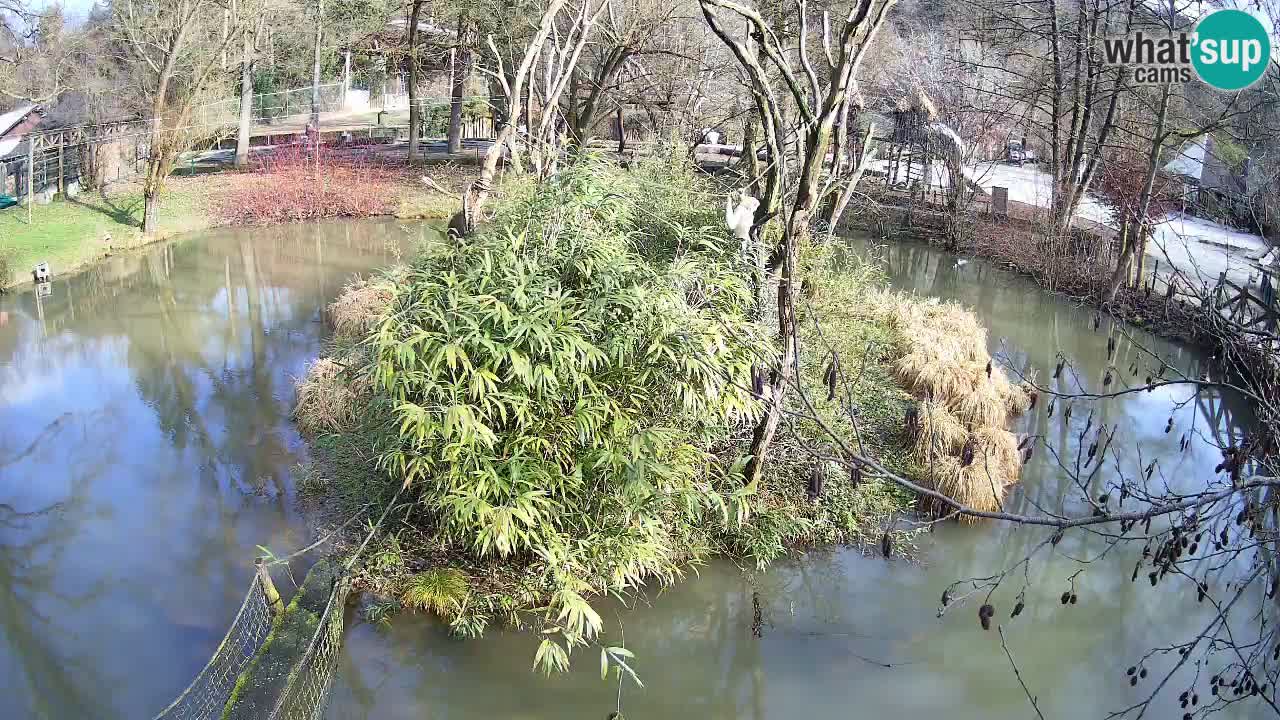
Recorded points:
294,183
6,268
558,398
327,401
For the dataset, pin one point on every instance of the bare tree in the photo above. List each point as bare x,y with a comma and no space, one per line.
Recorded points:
37,60
415,112
477,194
818,105
317,50
177,46
252,23
459,71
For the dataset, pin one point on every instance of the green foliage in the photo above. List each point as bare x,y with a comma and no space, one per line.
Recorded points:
441,591
6,266
389,558
435,121
379,614
1231,153
558,398
566,393
831,319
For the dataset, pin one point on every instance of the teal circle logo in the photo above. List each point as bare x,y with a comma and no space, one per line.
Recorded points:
1232,49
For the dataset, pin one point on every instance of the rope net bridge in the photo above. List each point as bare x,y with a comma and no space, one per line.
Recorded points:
275,662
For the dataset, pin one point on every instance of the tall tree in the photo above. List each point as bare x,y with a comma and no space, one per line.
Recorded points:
459,70
252,22
415,112
37,59
780,87
177,47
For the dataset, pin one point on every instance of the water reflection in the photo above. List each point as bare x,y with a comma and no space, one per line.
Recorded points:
146,450
850,636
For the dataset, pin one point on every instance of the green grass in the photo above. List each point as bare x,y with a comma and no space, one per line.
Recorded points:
68,234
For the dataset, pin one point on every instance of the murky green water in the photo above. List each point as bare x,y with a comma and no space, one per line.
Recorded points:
836,619
146,450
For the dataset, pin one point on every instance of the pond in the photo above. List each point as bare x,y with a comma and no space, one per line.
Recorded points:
146,451
847,635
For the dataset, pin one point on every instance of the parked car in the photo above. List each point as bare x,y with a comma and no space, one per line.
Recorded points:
1019,155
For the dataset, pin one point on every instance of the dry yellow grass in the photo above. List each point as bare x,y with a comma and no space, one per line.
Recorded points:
942,359
939,433
359,307
326,400
996,451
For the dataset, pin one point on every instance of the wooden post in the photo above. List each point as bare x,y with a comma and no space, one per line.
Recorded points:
62,171
268,587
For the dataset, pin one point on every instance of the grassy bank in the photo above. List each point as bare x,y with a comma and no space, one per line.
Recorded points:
563,405
73,233
70,234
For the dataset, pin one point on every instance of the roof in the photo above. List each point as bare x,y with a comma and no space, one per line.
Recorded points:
1189,161
1198,160
13,117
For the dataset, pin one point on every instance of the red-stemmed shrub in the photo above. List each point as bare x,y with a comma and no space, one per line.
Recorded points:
297,182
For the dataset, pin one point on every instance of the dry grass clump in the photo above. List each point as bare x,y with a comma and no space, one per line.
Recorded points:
939,433
980,405
996,449
359,307
921,373
965,401
327,400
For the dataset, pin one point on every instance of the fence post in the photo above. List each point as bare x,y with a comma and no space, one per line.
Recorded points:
31,172
268,587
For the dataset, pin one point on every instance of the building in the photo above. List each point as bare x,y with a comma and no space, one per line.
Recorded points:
15,124
1211,186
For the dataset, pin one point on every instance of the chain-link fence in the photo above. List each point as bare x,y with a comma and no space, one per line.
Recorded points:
268,107
207,695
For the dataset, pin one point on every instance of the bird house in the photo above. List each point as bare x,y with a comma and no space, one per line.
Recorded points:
41,272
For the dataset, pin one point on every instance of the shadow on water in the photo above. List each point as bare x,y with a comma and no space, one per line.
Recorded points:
146,451
853,636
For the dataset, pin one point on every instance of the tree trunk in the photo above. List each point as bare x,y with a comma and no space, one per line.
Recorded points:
816,140
315,70
150,209
415,113
153,183
246,102
1144,200
475,197
458,83
749,150
582,116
